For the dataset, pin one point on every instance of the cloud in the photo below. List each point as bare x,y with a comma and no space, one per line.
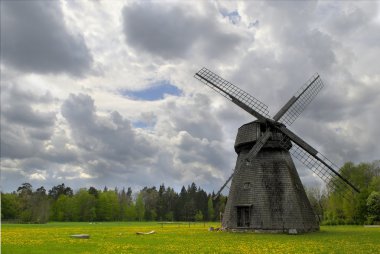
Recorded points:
156,91
193,114
350,19
87,130
110,147
34,38
150,28
111,137
24,128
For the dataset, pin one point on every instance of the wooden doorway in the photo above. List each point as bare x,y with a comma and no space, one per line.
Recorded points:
243,216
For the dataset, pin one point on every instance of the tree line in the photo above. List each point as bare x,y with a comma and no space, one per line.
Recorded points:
90,204
362,208
191,204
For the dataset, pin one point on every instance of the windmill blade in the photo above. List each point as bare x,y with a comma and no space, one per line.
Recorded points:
316,162
299,141
249,156
297,104
324,169
233,93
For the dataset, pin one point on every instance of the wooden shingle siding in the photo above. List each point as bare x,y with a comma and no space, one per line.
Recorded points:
271,186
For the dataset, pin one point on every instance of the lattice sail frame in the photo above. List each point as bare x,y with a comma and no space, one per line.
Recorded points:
226,89
304,96
333,181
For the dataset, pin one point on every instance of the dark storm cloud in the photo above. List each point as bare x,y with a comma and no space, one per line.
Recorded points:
335,104
23,128
109,138
25,115
171,31
15,143
34,38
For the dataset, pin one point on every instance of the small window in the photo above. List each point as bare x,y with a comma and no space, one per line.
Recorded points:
246,185
263,128
247,162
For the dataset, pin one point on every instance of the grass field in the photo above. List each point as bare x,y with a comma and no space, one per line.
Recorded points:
121,238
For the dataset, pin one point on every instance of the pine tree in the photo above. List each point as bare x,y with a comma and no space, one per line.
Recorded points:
210,209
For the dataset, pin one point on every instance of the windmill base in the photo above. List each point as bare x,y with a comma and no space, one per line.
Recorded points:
266,195
270,231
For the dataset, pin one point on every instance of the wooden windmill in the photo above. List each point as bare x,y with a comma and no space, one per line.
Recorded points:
266,193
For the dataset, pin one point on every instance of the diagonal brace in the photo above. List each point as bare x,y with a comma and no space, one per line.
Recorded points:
249,156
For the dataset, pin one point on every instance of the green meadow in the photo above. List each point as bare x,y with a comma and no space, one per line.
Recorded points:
180,238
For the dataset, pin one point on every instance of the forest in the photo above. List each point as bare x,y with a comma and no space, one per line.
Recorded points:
192,203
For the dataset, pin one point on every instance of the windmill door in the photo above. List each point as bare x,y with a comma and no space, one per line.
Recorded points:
243,216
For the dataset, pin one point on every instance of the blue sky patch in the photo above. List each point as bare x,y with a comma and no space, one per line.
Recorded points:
140,124
155,92
147,121
233,16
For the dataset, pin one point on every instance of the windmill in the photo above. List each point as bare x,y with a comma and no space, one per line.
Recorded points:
266,193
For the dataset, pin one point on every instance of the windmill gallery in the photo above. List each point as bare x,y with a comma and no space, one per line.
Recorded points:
266,193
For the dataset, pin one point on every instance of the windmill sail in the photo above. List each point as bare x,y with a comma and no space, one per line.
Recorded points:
297,104
232,92
319,165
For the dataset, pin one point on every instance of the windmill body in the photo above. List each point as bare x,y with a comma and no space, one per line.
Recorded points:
266,193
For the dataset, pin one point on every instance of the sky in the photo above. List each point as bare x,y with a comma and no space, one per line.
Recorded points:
102,93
